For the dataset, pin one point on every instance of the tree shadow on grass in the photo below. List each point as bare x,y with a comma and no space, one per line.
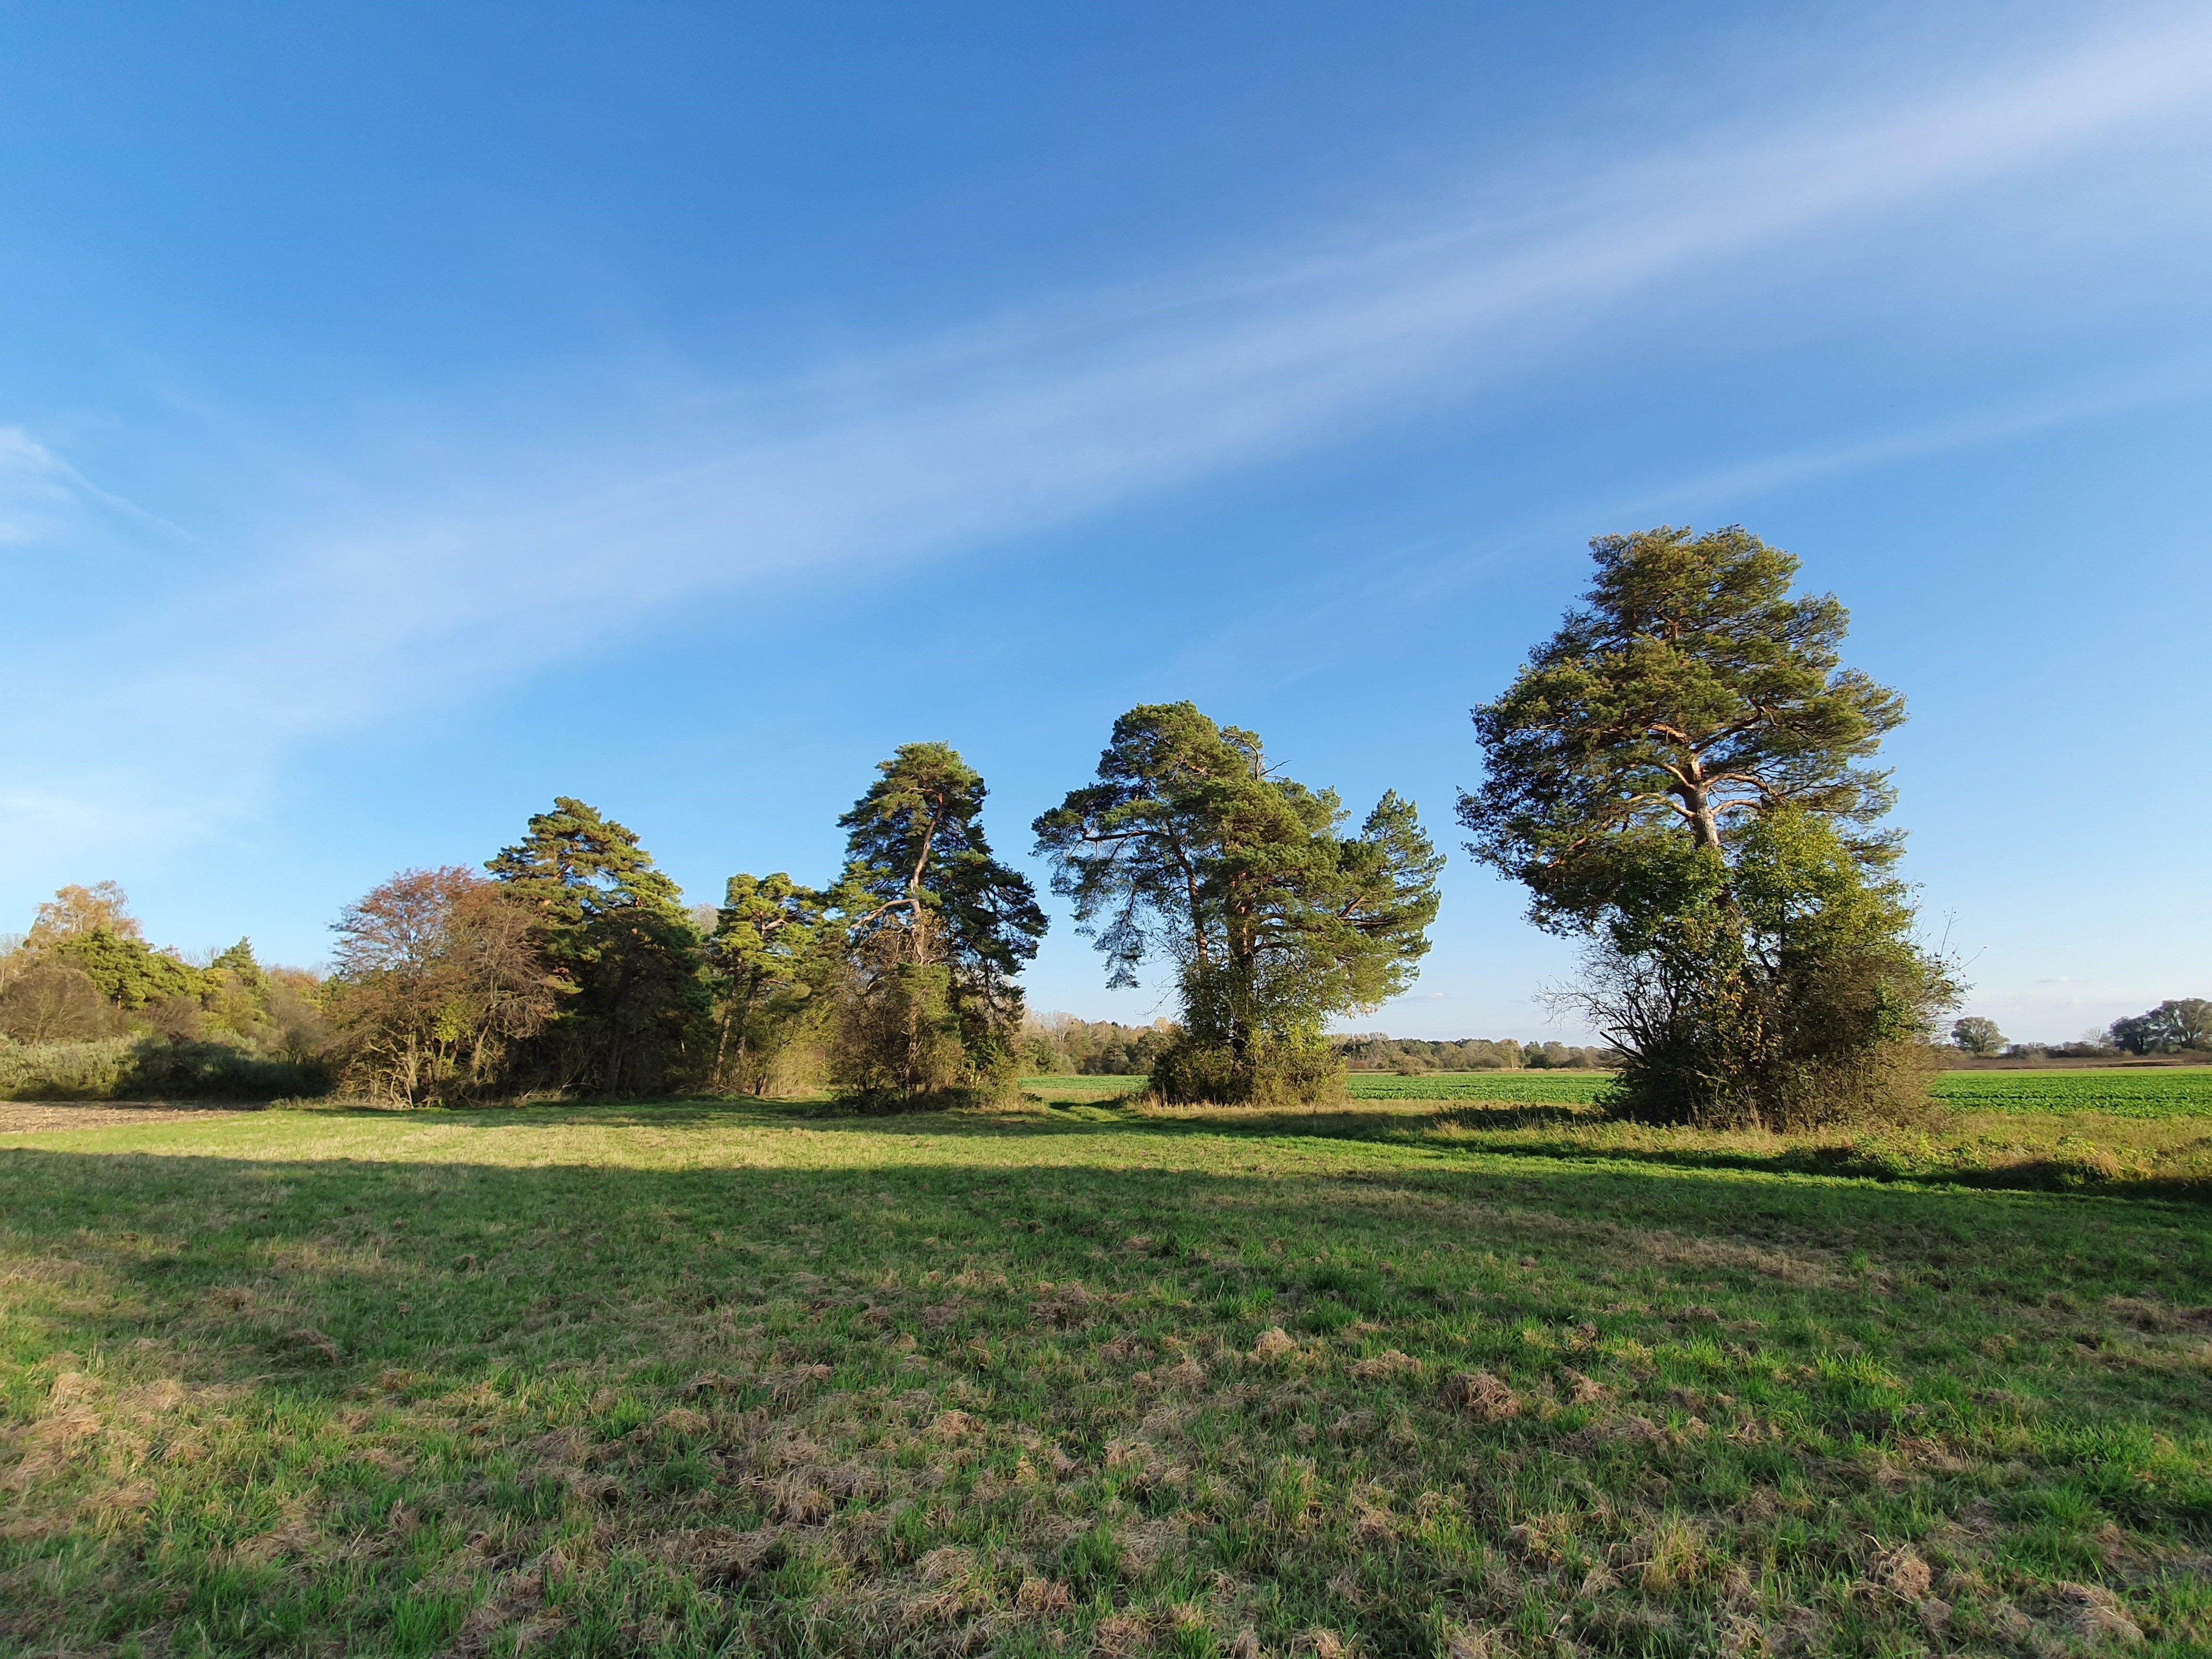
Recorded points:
472,1248
1452,1133
1860,1159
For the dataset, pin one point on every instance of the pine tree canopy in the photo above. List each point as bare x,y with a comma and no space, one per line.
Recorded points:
1689,692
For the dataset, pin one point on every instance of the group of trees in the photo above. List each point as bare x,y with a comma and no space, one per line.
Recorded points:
575,966
1061,1043
1681,776
1375,1051
85,975
2177,1024
1094,1048
2180,1025
85,971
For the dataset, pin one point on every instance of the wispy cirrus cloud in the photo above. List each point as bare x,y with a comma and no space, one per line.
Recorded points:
1019,423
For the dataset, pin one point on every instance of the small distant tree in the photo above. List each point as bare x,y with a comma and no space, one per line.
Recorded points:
1978,1035
1189,848
91,932
2188,1021
1679,776
626,955
938,931
74,911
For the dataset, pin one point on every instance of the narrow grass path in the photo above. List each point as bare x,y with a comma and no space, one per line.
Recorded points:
702,1379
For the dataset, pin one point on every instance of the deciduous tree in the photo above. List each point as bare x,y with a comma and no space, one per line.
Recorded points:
2177,1022
1978,1035
51,1002
75,910
438,978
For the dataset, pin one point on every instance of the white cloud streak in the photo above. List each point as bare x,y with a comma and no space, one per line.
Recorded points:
1011,427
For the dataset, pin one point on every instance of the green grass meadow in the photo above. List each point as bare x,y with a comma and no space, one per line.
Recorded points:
1454,1377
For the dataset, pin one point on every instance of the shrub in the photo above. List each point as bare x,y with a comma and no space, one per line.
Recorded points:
55,1002
1783,994
64,1071
162,1070
151,1067
1272,1071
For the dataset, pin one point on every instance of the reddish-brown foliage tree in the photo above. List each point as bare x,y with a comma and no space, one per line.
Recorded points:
438,975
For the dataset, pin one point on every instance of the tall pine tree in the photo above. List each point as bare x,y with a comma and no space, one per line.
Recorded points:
614,929
939,930
1191,847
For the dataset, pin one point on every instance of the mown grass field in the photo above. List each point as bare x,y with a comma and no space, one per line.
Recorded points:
707,1379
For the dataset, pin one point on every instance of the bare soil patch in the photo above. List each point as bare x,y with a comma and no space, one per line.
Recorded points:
23,1117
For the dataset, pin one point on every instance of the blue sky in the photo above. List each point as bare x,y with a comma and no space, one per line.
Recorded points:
408,414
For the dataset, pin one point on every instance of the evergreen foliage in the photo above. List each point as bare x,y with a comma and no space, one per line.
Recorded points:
624,954
1679,775
1191,848
936,929
773,950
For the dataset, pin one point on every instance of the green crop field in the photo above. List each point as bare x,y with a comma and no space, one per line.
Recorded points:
1560,1088
714,1379
2148,1092
1547,1088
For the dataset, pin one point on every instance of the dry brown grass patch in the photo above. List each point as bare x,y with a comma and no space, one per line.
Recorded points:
1385,1366
2094,1614
1482,1396
1902,1572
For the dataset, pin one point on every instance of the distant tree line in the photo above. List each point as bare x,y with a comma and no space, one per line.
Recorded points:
1062,1043
1410,1056
1095,1047
2178,1025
